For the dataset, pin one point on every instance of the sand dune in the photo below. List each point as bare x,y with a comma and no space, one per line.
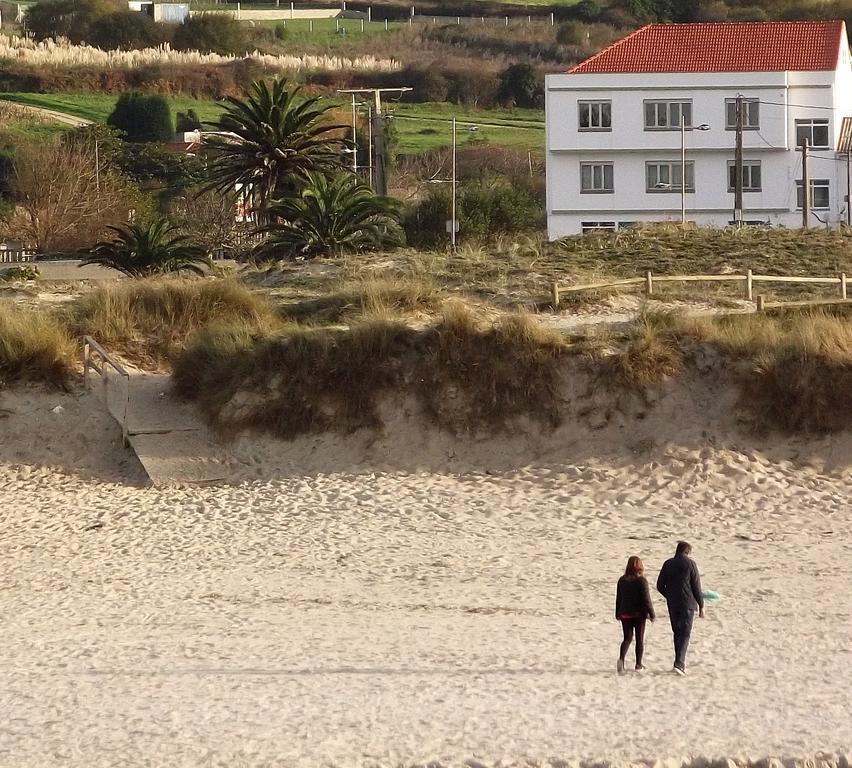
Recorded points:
384,604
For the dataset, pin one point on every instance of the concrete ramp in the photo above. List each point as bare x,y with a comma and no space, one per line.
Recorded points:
171,441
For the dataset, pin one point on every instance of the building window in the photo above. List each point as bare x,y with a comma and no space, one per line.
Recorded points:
665,177
751,114
665,115
595,115
815,131
751,176
597,226
819,194
596,177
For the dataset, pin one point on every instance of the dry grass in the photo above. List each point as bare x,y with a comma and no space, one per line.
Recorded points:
801,376
34,348
148,320
382,296
651,354
467,374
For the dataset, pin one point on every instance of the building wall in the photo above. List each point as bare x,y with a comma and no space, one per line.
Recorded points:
784,97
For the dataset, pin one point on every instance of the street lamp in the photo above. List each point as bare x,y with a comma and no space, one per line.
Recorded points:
452,181
702,127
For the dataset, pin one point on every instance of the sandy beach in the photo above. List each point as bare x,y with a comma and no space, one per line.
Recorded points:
409,617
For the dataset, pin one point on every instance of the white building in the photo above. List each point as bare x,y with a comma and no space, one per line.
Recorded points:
614,135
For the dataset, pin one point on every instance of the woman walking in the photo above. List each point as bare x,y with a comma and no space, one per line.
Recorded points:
633,607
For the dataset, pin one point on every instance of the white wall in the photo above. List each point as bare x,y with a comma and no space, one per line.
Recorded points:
785,96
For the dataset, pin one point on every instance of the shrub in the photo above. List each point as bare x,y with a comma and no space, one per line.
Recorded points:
33,348
125,30
281,32
143,117
431,86
490,207
210,33
520,86
570,33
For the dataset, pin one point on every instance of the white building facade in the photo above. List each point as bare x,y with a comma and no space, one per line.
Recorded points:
614,135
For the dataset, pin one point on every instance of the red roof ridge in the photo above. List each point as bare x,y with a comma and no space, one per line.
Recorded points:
812,45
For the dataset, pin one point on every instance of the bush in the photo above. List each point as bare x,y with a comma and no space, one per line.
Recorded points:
431,86
125,30
520,86
33,348
143,117
483,208
490,207
210,33
281,32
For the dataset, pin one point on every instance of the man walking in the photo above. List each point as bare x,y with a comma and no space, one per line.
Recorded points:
680,584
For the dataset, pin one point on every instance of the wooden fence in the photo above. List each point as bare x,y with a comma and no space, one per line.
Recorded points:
748,280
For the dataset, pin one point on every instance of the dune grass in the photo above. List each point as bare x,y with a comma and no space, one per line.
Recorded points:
34,348
466,373
148,320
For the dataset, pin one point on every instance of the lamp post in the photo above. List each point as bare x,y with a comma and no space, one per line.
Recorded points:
451,180
702,127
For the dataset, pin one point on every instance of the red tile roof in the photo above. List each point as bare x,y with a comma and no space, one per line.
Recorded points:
749,46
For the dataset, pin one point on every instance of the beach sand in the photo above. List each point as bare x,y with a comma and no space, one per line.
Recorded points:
418,600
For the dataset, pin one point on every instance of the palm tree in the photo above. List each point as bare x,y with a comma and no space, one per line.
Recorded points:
270,139
330,215
142,250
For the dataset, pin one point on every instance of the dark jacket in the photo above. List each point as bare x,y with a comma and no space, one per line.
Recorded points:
633,597
680,584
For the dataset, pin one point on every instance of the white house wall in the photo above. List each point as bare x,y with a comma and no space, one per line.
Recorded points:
785,97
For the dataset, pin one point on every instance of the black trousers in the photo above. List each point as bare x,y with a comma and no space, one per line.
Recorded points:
681,629
629,626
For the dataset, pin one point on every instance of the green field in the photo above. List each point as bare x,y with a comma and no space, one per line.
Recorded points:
420,127
97,106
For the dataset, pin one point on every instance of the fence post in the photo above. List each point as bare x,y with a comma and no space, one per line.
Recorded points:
749,285
362,25
86,353
552,19
843,285
369,13
555,295
649,283
386,25
507,21
761,304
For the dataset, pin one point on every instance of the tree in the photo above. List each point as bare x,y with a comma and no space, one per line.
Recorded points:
143,250
125,30
210,33
520,86
332,214
209,219
63,197
66,18
143,117
269,141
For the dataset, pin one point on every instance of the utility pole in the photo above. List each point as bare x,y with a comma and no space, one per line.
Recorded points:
682,170
806,186
354,137
377,121
738,166
453,212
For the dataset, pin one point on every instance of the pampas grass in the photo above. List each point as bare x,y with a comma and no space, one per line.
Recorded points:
61,53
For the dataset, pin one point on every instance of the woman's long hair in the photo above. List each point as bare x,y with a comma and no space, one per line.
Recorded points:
635,567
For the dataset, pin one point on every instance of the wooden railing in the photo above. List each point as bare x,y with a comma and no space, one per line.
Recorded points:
97,359
748,280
